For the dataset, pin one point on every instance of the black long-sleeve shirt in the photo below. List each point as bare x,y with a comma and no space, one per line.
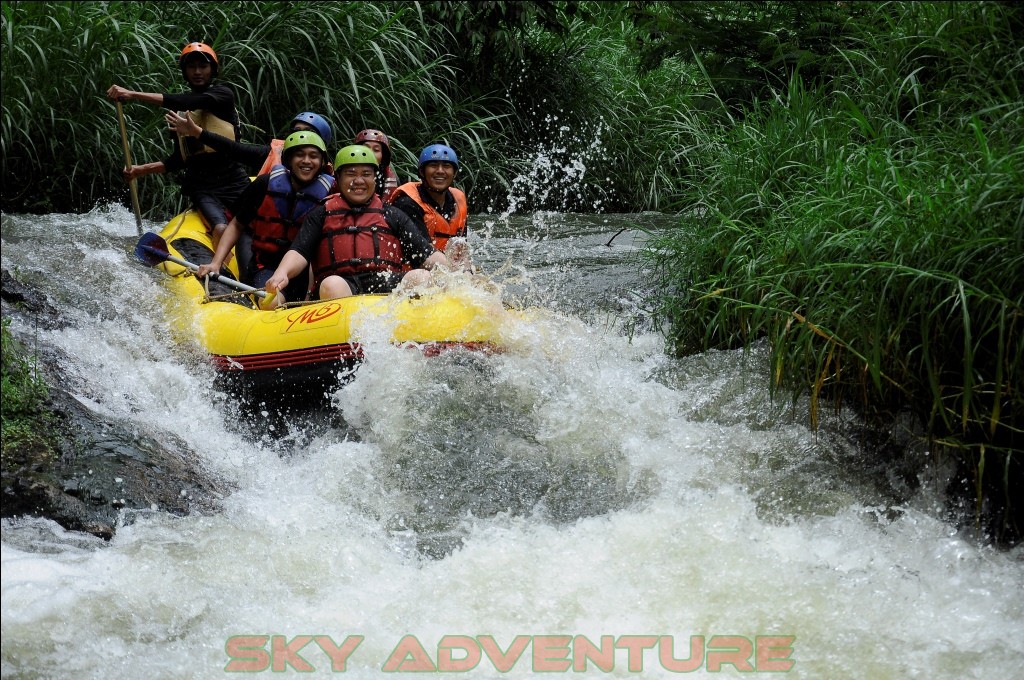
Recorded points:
250,155
205,170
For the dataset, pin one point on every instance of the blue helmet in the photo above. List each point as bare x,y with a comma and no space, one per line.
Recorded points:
318,122
438,152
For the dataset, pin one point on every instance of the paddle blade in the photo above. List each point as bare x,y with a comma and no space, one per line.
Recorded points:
151,249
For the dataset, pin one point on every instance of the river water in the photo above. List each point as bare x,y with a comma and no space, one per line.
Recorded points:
582,486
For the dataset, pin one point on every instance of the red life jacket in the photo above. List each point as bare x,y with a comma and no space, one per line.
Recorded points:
438,227
356,240
279,217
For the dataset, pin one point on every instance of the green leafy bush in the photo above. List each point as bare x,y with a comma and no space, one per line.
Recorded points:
873,230
22,395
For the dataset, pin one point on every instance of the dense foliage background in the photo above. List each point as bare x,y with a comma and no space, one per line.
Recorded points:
862,207
848,174
528,93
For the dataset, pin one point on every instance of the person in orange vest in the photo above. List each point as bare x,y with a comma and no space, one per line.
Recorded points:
357,243
212,180
272,209
438,208
262,156
387,178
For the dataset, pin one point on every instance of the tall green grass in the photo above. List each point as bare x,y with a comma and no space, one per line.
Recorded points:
873,230
24,422
381,65
360,64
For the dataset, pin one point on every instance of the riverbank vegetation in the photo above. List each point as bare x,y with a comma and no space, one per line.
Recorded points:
869,221
26,437
847,174
531,94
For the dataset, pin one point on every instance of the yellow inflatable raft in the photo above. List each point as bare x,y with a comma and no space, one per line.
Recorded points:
274,348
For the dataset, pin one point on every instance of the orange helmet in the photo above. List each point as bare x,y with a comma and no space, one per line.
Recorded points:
201,48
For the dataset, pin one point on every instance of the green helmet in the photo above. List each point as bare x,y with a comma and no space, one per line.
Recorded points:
302,138
355,154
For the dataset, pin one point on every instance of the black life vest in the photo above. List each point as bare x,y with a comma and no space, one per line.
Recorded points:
279,217
356,240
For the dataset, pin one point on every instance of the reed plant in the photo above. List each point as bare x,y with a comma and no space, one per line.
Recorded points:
26,427
59,142
568,99
873,230
360,64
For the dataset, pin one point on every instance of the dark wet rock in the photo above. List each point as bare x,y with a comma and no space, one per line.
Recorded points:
19,298
102,473
89,472
477,455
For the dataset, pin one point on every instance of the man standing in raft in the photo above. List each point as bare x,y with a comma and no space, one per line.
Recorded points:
272,209
356,243
438,208
212,180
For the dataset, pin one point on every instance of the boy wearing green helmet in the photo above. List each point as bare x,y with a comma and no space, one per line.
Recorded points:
211,180
355,242
271,211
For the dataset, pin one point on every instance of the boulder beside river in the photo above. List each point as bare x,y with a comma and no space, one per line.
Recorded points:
90,472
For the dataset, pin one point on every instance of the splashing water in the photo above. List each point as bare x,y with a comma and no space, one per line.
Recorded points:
553,173
556,173
580,483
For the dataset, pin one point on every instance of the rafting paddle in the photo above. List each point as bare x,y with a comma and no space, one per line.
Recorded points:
127,164
152,250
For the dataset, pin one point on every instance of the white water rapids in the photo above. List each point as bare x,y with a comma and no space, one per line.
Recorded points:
581,485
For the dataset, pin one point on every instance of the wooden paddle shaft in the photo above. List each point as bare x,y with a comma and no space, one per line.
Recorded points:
127,164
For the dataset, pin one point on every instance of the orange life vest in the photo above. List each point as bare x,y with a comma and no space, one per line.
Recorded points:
439,229
356,240
274,157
